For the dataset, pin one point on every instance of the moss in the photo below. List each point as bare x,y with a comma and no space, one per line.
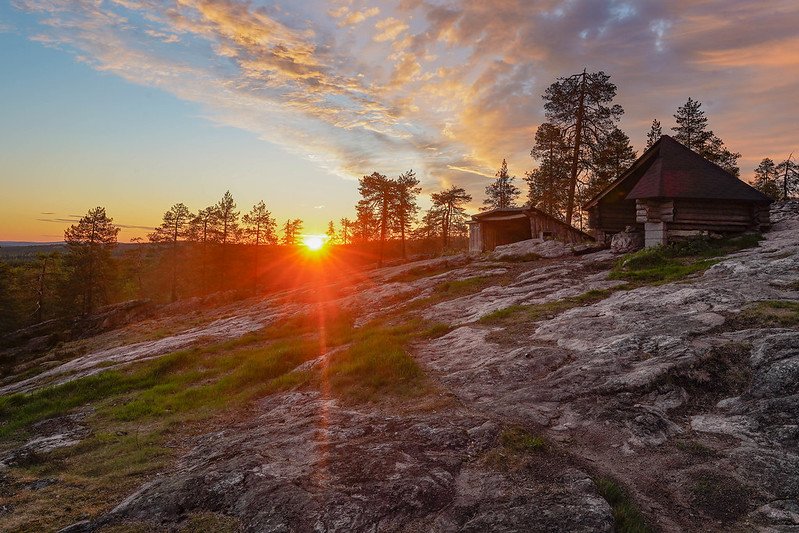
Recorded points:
627,517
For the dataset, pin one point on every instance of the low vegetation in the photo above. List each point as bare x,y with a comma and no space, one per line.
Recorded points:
536,312
770,313
719,496
664,264
627,517
519,440
138,416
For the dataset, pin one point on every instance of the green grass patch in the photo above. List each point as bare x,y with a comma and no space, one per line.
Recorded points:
462,287
627,517
664,264
378,363
719,496
518,440
535,312
771,313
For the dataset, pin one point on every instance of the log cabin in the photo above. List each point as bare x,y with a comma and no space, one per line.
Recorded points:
494,228
672,193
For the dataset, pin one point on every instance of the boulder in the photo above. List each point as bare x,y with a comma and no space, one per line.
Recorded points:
627,241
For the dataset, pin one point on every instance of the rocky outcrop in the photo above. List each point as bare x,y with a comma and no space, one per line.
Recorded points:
627,241
663,389
307,463
531,249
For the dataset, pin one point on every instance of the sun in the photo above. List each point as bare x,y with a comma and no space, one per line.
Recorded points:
313,242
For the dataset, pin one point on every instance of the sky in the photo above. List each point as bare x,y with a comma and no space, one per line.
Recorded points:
135,105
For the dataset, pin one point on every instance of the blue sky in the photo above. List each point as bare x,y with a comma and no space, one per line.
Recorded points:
138,104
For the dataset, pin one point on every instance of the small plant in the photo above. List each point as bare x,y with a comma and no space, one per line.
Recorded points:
627,518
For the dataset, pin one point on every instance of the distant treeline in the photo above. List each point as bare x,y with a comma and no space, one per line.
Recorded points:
191,255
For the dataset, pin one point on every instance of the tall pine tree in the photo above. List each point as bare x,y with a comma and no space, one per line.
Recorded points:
548,184
582,107
767,179
173,228
691,130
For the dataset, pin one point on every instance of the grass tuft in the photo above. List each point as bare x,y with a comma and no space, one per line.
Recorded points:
627,518
518,440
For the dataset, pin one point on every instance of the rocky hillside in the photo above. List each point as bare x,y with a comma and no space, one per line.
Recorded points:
514,392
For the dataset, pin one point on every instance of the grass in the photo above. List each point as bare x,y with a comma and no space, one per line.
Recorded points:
664,264
627,517
462,287
518,440
536,312
771,313
136,411
378,363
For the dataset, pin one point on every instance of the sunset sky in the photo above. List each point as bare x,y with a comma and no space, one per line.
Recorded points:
138,104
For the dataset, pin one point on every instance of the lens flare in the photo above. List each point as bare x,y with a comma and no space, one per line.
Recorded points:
313,242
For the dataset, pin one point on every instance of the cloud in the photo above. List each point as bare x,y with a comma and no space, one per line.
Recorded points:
449,88
351,18
389,29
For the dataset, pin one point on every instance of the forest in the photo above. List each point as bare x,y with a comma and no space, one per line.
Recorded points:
578,151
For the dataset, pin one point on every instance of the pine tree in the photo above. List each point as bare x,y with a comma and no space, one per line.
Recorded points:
655,133
767,179
378,195
345,233
788,172
614,156
332,235
450,205
581,106
173,228
204,229
548,184
88,258
406,189
291,232
501,193
691,130
260,228
228,219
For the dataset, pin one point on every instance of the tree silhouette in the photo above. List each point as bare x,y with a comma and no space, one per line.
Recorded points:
173,227
345,231
581,106
655,133
691,130
291,232
378,195
501,193
767,179
452,212
332,236
406,189
89,245
260,228
548,184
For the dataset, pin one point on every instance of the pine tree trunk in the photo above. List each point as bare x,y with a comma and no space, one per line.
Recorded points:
578,132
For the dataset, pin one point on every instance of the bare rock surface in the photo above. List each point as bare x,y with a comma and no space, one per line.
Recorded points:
307,463
531,248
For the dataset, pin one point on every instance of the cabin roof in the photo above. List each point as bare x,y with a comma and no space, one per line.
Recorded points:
670,170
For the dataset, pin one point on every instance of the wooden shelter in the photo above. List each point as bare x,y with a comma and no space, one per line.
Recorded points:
671,192
494,228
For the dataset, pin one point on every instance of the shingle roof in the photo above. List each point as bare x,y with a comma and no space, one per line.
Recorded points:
670,170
